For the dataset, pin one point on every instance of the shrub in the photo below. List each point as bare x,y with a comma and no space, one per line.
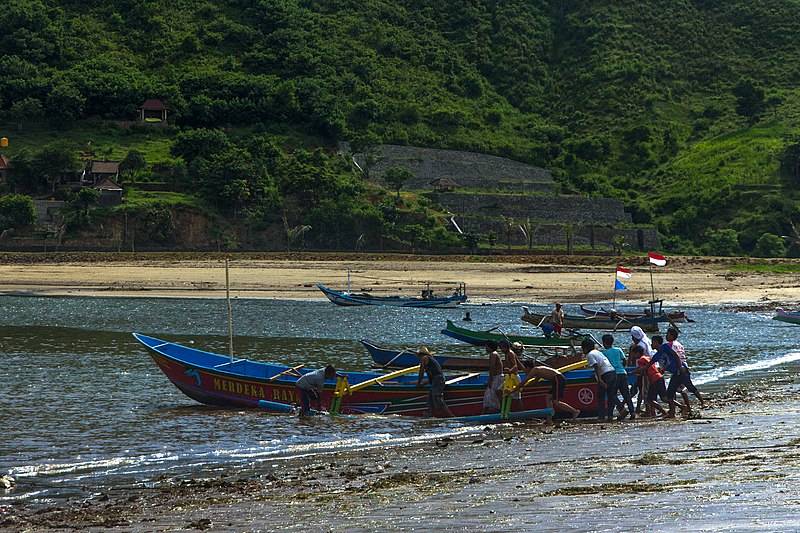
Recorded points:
769,245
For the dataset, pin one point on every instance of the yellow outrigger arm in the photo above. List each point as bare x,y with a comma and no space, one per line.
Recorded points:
343,387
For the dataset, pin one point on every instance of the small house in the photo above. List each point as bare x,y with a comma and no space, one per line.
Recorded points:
5,166
110,192
153,110
97,171
443,184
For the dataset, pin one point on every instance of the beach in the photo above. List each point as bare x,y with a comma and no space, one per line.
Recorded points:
568,279
721,468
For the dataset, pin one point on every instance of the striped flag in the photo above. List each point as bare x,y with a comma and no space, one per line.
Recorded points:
658,260
623,273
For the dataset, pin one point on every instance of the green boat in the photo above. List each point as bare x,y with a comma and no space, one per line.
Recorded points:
479,338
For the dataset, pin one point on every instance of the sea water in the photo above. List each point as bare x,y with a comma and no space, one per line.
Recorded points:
84,409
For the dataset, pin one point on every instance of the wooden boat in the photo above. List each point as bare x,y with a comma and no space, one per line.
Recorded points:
674,316
479,338
792,317
649,324
386,358
219,380
427,299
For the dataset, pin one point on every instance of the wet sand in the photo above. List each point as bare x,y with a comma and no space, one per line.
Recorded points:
733,467
515,279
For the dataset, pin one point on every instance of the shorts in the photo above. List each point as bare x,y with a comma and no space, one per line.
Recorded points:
436,394
656,389
558,387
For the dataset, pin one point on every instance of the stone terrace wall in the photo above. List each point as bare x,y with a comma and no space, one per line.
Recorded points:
468,169
537,208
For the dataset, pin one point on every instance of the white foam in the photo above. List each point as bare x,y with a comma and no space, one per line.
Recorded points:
716,375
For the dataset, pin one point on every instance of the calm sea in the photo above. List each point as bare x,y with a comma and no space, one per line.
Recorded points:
84,409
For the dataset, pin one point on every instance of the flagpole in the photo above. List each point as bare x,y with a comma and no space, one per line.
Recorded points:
652,287
614,293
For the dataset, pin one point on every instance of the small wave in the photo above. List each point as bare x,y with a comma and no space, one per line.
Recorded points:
716,375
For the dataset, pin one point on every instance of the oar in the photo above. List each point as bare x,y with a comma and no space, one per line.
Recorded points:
461,378
392,360
566,368
343,388
288,371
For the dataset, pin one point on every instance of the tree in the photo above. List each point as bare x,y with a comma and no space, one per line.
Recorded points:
569,232
619,243
16,211
25,109
133,163
724,242
491,240
471,241
293,233
769,245
509,226
200,142
64,103
397,177
84,200
749,99
529,230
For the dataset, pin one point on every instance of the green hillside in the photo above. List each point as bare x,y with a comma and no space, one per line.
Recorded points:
687,111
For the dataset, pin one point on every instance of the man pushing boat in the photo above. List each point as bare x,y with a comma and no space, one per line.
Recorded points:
554,396
427,364
310,386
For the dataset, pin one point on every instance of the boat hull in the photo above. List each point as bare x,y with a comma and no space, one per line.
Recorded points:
211,379
479,338
349,300
399,359
675,316
787,316
649,324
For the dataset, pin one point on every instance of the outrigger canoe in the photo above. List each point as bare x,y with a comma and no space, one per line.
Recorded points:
649,324
792,317
479,338
215,379
427,300
674,316
386,358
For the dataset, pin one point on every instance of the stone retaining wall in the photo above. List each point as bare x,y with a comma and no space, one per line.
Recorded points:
468,169
544,208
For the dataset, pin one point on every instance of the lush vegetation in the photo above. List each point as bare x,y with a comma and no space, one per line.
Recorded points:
687,111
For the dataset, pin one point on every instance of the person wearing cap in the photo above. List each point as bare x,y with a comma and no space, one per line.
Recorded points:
557,319
492,397
430,366
310,386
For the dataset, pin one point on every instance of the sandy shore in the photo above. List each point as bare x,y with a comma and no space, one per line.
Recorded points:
684,280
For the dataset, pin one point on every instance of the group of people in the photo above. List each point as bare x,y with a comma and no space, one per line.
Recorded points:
652,359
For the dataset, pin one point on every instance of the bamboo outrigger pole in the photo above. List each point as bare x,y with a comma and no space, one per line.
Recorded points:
230,318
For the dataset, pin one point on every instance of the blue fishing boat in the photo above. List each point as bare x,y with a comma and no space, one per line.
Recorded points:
427,299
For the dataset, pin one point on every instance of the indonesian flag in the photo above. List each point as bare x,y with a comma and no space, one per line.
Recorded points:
623,273
658,260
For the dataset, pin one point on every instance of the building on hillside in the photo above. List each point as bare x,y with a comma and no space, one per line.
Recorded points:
96,171
110,192
153,110
5,166
443,184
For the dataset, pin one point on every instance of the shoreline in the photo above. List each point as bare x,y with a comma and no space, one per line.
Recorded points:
498,478
681,283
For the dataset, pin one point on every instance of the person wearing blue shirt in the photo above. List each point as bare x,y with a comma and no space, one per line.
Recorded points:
617,358
672,363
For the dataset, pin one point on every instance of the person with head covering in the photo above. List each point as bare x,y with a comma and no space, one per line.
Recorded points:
428,365
492,398
557,319
639,337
